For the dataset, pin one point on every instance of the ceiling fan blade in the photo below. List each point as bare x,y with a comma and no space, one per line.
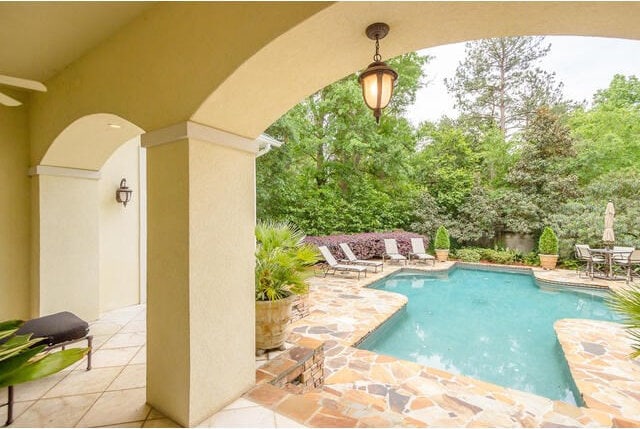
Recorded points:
22,83
8,101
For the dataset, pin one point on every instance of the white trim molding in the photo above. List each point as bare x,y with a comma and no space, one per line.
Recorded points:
193,130
50,170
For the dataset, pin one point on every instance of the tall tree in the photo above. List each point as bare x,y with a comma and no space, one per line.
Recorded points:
542,176
500,81
343,173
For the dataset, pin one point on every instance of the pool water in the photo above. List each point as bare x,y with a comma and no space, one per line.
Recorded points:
490,325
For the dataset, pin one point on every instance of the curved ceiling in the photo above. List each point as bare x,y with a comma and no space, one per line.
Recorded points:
331,44
39,39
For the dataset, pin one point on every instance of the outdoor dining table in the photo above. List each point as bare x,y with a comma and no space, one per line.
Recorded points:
609,256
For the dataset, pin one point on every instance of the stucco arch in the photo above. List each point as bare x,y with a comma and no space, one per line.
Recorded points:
87,245
157,70
331,44
89,141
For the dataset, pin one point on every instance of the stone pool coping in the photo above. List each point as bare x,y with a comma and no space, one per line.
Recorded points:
597,353
365,389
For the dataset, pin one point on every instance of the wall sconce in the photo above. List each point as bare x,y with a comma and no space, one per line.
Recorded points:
123,193
378,79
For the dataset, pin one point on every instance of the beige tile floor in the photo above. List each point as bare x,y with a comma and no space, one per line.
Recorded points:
113,393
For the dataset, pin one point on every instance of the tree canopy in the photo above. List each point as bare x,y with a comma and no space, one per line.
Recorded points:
339,172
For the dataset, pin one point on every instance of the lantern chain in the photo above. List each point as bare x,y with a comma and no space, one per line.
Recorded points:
377,56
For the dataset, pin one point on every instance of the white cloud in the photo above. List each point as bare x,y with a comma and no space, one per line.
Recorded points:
583,64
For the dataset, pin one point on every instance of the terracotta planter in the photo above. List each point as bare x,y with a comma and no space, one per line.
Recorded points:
548,262
272,321
442,255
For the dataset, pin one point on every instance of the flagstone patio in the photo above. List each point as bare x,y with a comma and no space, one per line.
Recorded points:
362,389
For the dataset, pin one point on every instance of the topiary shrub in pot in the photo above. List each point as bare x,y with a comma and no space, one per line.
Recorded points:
281,261
442,244
548,249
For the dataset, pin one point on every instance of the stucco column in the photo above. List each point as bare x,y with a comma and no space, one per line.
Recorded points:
65,239
200,303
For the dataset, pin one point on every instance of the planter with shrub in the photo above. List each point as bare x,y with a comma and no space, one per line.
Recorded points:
548,249
442,244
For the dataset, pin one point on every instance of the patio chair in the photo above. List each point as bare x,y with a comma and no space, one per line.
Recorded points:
622,253
631,261
56,330
335,266
418,252
583,253
351,258
391,251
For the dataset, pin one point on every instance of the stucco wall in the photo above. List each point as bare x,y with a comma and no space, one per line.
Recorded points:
15,213
120,230
68,251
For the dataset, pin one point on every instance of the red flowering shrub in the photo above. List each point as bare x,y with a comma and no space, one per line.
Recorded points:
366,245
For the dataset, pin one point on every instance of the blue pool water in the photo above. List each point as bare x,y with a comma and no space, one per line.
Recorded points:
490,325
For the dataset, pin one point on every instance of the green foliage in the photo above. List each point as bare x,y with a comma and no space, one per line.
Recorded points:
22,361
446,165
468,255
627,303
442,239
500,256
608,136
542,176
338,171
548,243
531,258
582,220
281,258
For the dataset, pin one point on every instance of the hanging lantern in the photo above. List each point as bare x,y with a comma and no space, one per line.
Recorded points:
378,79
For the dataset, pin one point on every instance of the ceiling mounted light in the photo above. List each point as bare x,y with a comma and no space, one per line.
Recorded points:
378,79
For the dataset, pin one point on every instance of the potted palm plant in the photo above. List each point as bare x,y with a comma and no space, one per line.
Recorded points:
281,261
442,244
548,249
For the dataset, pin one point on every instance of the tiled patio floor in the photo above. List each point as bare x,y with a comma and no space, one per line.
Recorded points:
362,388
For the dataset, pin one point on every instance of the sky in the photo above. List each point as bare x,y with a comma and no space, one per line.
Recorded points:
583,64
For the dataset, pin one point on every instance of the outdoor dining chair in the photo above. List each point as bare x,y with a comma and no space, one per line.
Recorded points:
583,253
631,261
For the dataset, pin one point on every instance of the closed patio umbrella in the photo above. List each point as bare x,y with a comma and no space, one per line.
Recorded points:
609,213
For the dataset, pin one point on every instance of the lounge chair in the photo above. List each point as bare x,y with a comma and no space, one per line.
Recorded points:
630,261
56,330
351,259
335,266
391,251
583,253
418,252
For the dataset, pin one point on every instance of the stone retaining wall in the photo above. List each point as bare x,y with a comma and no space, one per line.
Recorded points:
298,370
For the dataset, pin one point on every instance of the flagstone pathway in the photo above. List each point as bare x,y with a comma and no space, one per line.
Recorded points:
363,389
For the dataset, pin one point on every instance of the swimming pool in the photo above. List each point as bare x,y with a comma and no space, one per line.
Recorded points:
491,325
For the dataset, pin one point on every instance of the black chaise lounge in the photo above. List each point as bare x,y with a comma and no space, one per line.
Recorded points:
56,330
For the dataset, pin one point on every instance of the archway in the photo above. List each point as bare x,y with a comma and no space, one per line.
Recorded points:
88,246
207,84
